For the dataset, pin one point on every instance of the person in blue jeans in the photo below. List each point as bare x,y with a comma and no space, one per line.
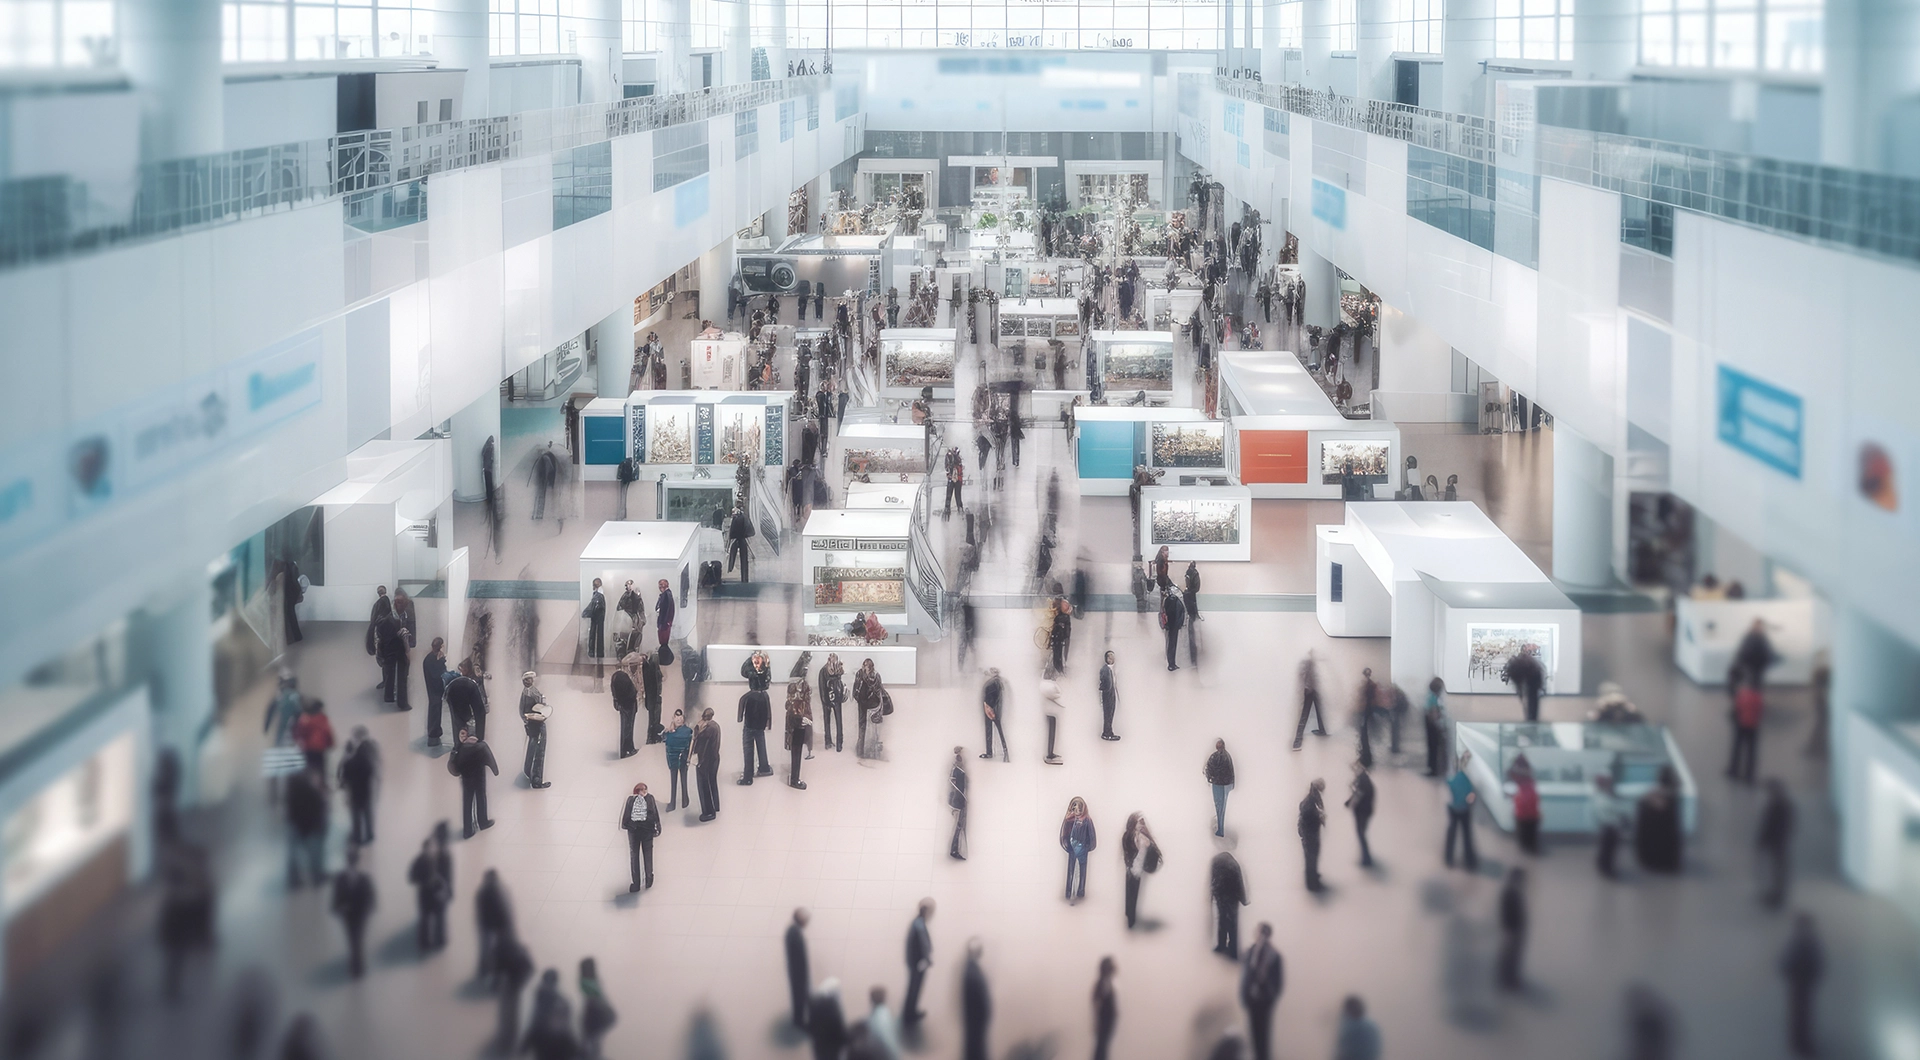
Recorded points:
1219,773
1460,799
1078,840
678,738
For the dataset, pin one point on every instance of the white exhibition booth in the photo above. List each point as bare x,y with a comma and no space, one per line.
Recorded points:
1565,757
855,561
674,431
1111,440
1288,440
644,553
1461,597
914,358
1127,363
388,523
1207,523
1039,318
884,452
1706,633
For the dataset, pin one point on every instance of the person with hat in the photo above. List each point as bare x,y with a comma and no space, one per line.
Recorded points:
535,712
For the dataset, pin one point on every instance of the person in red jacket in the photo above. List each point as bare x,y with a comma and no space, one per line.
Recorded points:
313,734
1747,708
1526,804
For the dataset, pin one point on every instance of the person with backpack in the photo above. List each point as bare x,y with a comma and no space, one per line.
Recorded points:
1748,706
313,734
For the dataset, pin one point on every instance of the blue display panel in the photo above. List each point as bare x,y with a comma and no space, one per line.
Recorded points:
603,439
1106,450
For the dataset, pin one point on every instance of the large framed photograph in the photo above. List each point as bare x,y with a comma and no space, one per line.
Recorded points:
705,504
916,364
1177,445
669,434
1195,522
742,433
884,461
1368,460
1139,366
866,586
1489,647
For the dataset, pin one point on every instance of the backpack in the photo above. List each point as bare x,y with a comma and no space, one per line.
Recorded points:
886,703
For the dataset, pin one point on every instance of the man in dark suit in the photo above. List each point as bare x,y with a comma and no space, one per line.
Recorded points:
596,615
739,529
1313,817
799,979
353,902
626,701
706,770
467,703
650,684
1229,888
919,958
390,646
1527,676
976,1003
1173,615
1262,976
470,762
756,715
641,818
663,610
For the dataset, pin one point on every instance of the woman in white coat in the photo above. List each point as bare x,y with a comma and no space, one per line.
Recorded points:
1052,705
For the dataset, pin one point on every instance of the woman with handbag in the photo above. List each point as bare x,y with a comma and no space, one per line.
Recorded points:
799,729
1078,839
1142,856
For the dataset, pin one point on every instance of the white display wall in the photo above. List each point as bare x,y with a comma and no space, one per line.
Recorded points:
1209,523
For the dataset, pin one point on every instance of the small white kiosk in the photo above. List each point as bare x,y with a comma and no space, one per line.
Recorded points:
645,553
1462,598
1289,441
856,561
912,358
1208,523
389,523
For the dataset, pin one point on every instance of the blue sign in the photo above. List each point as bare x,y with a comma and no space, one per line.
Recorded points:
1330,204
1761,420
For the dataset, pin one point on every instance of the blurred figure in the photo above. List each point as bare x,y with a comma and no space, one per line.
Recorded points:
516,970
1139,855
1609,818
1433,721
882,1028
1656,828
313,733
1754,655
919,959
1748,707
187,907
1262,978
976,1003
252,1014
1109,697
307,815
1803,965
493,918
550,1031
597,1016
353,902
1650,1025
431,875
1360,801
1358,1037
303,1040
1106,1008
1309,702
1775,841
1524,673
827,1021
1228,888
1313,817
1526,803
359,775
1219,774
957,801
1460,800
1513,928
799,979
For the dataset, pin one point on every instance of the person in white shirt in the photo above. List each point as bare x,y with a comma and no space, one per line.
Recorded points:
535,712
882,1026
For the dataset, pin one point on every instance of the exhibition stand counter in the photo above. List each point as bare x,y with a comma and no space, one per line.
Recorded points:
387,524
1708,632
1287,438
855,561
1111,440
913,358
891,496
897,664
1207,523
1565,757
669,430
644,553
1463,597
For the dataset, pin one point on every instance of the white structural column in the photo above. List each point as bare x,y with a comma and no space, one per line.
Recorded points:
472,426
1872,76
170,51
597,39
1466,32
1323,289
1606,39
1582,511
1229,56
736,62
1316,44
770,32
716,271
461,42
1373,78
676,52
176,640
1273,59
613,343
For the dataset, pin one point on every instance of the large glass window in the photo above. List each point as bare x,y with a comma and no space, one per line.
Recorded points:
525,27
1534,29
1346,25
1732,34
56,33
1290,23
1416,26
257,31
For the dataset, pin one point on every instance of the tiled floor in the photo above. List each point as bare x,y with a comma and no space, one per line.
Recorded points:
867,840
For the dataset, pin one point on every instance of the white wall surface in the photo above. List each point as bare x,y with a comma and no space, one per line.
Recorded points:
1049,92
282,110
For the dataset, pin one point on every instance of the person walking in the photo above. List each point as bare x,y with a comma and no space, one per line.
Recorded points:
1173,615
827,1021
308,812
1657,838
867,690
799,729
1061,634
1803,965
641,818
1052,706
919,959
1513,928
755,716
976,1003
1262,978
1754,655
739,531
1358,1037
706,751
1313,817
433,670
313,734
516,970
1360,801
679,741
597,1015
1109,697
1433,721
1309,702
431,874
993,696
534,712
1219,774
1775,842
1228,887
493,921
799,979
1106,1008
1748,707
1460,800
833,697
652,681
626,703
1140,856
359,776
1078,839
1525,794
1525,674
957,801
353,902
470,762
1610,819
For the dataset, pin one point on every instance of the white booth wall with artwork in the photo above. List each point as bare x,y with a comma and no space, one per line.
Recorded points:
855,561
718,364
1288,440
1206,523
1111,440
1707,633
912,358
645,553
1126,363
675,431
388,523
886,452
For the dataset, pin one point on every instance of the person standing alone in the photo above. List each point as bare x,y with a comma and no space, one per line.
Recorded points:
1109,697
534,712
353,901
1262,978
641,818
799,978
706,750
1360,801
1219,774
1106,1008
1313,817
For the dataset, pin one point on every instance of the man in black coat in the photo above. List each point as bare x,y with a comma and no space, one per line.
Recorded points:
353,901
1513,928
493,917
755,716
596,615
641,818
739,529
1754,655
1173,615
1525,674
1262,977
827,1022
433,671
359,773
650,684
706,769
626,701
663,612
1309,702
976,1003
919,959
1776,843
431,875
1313,817
799,978
467,702
390,646
470,762
1229,888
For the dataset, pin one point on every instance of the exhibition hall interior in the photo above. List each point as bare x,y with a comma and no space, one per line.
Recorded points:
998,529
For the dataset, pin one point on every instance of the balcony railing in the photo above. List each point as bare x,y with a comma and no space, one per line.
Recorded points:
49,217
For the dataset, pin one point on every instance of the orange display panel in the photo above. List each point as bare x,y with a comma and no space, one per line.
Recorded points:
1273,456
